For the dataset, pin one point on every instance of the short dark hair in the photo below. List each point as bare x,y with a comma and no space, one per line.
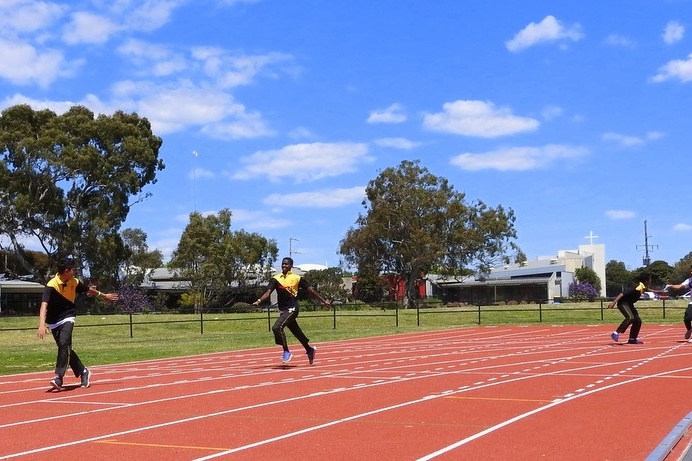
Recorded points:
290,260
65,264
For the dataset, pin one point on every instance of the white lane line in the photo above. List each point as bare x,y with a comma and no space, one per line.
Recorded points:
554,403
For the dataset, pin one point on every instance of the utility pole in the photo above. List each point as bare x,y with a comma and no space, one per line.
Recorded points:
290,247
646,246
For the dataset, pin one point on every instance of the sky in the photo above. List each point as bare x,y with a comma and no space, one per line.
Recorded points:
576,115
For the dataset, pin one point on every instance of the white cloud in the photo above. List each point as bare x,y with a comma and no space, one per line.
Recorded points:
245,125
548,30
551,112
301,133
619,40
23,64
620,214
151,14
22,16
682,227
392,114
258,219
303,162
200,173
89,28
155,60
518,158
673,32
329,198
680,69
478,118
181,104
397,143
230,70
629,141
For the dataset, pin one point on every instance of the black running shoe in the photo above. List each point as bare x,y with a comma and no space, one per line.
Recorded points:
311,354
86,376
56,383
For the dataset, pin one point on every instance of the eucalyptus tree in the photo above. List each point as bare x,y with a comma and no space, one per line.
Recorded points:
416,222
329,282
67,183
214,258
139,259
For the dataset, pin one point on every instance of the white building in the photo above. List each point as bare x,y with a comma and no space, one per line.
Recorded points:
543,279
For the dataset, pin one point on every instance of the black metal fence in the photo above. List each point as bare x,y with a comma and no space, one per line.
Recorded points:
424,315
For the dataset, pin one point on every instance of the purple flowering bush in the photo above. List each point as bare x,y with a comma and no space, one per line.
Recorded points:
132,299
582,291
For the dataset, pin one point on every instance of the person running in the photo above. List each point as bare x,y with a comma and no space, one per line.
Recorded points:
58,313
287,284
687,318
625,302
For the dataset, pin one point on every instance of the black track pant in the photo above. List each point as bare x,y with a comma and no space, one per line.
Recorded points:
287,319
631,318
66,356
688,316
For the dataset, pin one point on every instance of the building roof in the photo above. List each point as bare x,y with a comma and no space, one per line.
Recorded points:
20,286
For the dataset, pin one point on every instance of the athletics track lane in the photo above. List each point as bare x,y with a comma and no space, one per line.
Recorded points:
471,393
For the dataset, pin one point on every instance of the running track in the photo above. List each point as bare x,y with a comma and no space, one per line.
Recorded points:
548,392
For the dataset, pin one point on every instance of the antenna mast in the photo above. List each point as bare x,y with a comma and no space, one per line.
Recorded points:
647,260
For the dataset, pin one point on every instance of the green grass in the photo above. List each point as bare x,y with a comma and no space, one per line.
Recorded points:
107,339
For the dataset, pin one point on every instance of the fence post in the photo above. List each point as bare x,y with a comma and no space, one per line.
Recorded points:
269,318
201,321
417,315
664,309
396,315
334,314
602,316
479,312
540,312
131,332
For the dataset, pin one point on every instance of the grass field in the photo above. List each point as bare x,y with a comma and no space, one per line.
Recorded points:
123,338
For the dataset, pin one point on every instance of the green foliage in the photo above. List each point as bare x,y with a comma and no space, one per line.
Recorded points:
139,260
681,270
213,258
68,181
660,272
415,222
370,288
329,282
617,277
588,275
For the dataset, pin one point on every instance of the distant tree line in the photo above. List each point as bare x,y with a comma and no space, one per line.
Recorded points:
67,183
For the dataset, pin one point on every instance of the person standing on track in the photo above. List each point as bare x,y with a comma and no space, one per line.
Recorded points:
687,319
287,284
625,302
58,313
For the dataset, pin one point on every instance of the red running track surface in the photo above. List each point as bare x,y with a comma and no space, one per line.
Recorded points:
546,392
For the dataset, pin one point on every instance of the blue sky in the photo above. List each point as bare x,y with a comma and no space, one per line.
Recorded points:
574,114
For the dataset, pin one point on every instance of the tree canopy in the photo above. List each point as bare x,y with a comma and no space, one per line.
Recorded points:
139,260
214,258
68,181
416,222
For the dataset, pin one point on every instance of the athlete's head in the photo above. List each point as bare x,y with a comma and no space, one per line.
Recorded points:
286,264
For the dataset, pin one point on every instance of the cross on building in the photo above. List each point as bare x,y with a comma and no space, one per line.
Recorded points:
591,237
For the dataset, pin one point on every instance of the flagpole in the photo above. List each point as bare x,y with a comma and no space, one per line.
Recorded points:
194,180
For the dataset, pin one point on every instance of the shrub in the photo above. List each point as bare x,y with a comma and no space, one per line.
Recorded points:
132,299
582,291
